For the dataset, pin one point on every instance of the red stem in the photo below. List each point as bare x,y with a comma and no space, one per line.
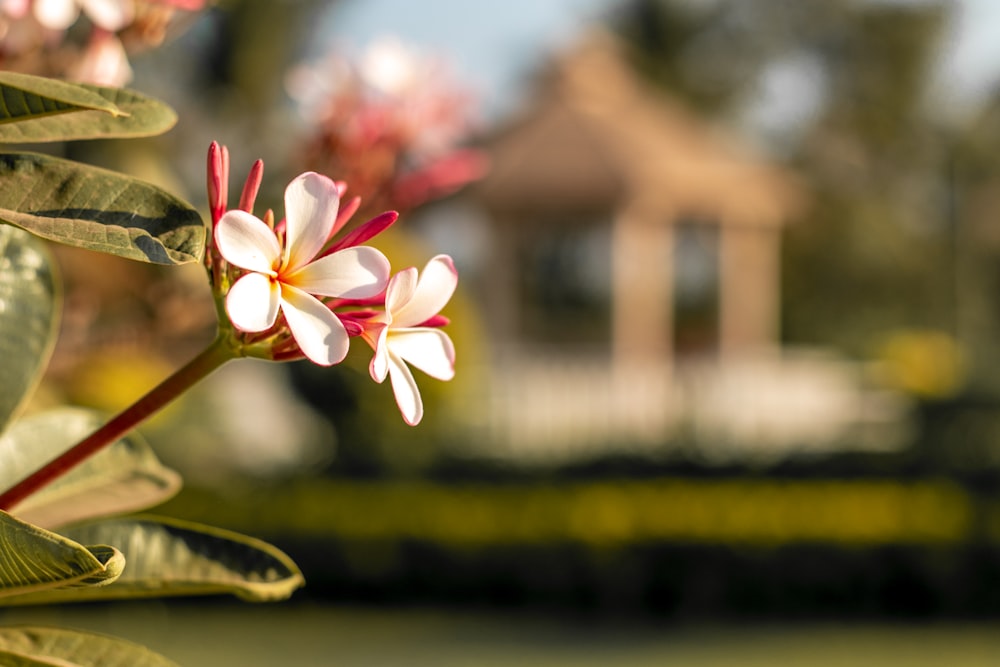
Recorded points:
207,361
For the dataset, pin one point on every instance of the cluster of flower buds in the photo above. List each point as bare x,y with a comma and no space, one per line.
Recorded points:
36,35
391,123
297,288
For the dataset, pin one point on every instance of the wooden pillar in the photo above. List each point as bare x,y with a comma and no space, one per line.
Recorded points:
749,263
642,288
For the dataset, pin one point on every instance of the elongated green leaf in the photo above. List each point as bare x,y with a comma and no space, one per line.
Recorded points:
24,96
97,209
139,116
72,648
29,314
9,659
114,564
33,559
124,477
167,557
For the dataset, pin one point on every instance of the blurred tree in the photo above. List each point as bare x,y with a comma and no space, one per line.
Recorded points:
975,183
713,53
874,252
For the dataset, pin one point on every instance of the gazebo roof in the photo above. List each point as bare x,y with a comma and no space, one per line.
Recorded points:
597,138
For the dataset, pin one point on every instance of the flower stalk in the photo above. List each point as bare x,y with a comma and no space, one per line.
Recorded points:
215,355
279,289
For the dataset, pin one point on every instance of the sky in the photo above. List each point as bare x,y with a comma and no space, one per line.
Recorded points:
970,66
495,45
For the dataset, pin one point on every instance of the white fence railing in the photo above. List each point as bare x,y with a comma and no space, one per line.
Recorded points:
558,407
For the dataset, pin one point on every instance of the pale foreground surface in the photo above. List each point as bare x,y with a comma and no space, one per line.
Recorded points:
210,633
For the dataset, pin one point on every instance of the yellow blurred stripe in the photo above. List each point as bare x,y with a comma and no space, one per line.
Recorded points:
731,511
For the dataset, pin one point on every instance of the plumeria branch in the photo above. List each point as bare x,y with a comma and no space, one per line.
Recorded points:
291,290
214,356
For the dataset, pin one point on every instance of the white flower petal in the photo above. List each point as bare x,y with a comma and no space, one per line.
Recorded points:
352,273
428,349
379,366
311,203
247,242
56,14
252,302
400,290
318,332
436,285
112,15
405,389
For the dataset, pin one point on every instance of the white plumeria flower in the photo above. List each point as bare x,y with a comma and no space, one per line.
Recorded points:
112,15
399,339
290,278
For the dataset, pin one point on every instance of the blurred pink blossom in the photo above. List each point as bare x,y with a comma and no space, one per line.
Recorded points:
42,36
111,15
103,62
392,123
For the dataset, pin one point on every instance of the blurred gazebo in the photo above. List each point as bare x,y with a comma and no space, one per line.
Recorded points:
599,148
628,242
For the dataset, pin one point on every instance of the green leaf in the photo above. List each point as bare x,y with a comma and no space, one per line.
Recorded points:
25,96
114,565
29,314
167,557
97,209
19,660
33,559
141,116
30,646
124,477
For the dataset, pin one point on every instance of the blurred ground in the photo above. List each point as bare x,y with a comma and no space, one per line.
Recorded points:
213,633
